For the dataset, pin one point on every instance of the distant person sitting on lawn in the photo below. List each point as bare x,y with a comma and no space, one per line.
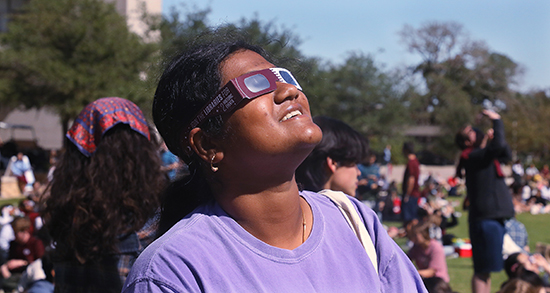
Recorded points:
427,253
24,249
20,167
534,268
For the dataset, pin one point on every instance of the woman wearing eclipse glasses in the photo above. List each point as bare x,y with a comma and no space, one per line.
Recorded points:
238,222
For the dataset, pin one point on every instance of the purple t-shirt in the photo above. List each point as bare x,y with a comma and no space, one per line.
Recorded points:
209,252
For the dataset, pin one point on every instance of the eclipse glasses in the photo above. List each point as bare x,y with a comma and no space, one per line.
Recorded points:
247,86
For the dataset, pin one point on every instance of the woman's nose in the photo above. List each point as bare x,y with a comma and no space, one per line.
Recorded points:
285,91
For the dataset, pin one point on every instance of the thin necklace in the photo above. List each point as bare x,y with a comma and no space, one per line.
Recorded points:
303,224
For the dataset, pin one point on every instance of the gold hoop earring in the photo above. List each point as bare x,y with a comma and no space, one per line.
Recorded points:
214,168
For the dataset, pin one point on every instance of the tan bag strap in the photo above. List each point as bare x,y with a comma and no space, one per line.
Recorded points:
347,208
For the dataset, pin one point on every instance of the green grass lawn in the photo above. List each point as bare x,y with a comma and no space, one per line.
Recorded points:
461,269
13,201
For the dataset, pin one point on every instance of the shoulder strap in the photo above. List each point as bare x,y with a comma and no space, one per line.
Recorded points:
347,208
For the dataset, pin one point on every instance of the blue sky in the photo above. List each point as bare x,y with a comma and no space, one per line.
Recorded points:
332,29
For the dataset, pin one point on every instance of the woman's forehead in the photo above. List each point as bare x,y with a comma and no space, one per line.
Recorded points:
242,62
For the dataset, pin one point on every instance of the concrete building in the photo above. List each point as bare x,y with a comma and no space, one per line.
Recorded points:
133,9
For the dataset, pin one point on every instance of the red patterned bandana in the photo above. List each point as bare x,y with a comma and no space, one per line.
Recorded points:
100,116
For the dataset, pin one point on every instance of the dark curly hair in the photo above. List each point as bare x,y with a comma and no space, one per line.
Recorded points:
340,142
188,82
94,200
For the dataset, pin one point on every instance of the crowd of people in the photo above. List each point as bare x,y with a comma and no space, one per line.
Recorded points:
495,232
531,188
245,190
25,263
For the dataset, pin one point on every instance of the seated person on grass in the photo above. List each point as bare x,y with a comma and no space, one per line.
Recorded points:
23,250
533,268
427,253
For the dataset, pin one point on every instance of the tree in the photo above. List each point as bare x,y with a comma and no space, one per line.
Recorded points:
525,130
459,76
180,31
360,94
357,92
67,53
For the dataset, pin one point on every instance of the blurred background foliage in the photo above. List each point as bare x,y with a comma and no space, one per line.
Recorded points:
55,55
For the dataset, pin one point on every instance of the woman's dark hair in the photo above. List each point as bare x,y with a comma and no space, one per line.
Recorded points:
94,200
340,142
422,228
517,285
514,269
408,147
511,265
461,138
188,82
437,285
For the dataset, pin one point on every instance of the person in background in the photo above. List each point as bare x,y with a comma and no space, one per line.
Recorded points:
437,285
53,161
521,285
518,172
26,206
24,249
239,222
531,171
518,233
20,167
38,276
545,172
333,162
490,201
387,160
427,253
170,162
411,188
532,268
369,177
9,212
103,198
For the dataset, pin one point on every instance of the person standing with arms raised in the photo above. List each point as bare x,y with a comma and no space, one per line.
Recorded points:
489,196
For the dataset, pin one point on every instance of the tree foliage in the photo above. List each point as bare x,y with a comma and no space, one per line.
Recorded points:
357,92
67,53
460,76
525,122
361,94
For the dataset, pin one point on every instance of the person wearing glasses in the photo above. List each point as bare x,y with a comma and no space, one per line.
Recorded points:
238,222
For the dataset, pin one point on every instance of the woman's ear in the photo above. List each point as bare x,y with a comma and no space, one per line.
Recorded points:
331,164
204,146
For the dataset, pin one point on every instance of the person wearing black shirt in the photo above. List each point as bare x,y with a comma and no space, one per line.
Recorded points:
490,201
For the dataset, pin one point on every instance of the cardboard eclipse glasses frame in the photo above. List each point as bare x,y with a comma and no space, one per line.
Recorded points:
247,86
